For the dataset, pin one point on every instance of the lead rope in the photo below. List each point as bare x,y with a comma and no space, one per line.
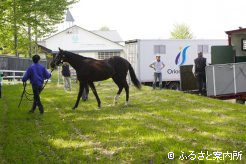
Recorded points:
24,92
47,80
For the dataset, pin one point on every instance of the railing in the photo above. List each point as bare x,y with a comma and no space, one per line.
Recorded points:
12,76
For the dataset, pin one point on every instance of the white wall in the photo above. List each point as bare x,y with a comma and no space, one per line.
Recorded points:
90,54
171,71
77,38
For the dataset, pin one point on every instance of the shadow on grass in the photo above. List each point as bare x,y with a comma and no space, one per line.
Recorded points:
153,125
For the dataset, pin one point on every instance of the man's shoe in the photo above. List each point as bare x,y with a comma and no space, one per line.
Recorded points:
41,110
31,111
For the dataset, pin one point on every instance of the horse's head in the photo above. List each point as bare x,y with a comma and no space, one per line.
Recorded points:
58,59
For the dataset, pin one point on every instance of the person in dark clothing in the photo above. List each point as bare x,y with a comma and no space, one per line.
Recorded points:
67,81
67,76
199,72
37,74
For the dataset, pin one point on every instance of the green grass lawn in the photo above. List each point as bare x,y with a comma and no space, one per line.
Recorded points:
154,124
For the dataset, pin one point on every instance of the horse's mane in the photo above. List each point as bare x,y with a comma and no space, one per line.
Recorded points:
79,56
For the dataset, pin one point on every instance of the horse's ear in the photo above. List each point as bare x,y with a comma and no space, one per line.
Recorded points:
59,49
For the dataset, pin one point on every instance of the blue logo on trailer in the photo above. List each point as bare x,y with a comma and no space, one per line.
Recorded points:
181,57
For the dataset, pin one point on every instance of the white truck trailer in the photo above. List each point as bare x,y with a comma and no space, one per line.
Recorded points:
173,52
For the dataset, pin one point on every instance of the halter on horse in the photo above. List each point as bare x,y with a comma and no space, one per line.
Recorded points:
89,70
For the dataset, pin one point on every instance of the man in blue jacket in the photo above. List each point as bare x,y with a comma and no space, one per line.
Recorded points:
37,74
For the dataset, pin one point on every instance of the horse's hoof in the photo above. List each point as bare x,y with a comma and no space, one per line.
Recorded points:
85,99
74,108
126,104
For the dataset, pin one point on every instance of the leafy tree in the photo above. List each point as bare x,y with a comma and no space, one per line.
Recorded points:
181,31
104,28
24,22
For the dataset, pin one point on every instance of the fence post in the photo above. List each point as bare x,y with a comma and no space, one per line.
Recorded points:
14,76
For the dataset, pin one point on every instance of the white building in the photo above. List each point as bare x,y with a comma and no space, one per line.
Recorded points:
96,44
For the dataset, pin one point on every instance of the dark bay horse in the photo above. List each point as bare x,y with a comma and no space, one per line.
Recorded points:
89,70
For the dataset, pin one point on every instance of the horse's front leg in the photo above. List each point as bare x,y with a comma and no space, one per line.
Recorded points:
93,88
81,88
85,93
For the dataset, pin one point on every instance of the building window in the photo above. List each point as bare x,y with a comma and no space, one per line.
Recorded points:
75,38
243,44
203,49
159,49
106,55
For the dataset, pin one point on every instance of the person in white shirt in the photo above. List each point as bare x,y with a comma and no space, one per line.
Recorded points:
157,65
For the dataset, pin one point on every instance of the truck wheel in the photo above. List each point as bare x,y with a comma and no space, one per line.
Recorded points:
174,86
240,101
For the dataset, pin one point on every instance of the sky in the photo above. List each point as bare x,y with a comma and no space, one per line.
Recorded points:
155,19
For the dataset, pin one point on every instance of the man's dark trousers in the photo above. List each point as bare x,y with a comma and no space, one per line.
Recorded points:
201,77
36,102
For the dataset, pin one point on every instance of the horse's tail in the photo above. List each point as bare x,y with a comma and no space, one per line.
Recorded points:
134,79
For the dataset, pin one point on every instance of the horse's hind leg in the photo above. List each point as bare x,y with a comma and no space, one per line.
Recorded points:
119,91
118,94
126,86
93,88
81,88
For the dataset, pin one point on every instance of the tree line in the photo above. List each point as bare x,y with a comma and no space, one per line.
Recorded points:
24,22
